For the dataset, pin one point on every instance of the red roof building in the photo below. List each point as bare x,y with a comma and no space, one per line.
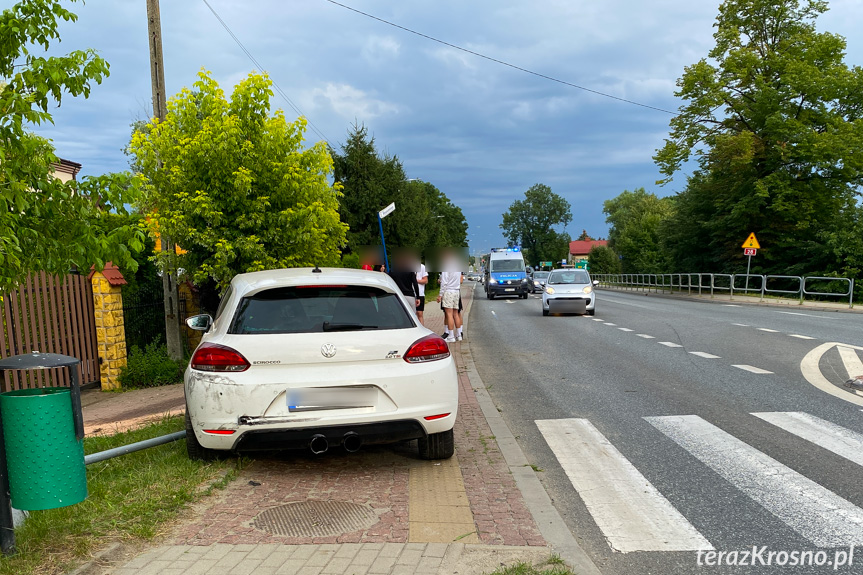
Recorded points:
578,249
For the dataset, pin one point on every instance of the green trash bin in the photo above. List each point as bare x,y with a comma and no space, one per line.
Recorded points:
43,436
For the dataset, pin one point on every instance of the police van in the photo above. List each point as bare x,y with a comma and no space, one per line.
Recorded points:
505,273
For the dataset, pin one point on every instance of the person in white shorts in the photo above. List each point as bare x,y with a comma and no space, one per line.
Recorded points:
450,284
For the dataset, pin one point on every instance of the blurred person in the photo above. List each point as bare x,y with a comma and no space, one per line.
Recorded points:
405,277
450,293
422,281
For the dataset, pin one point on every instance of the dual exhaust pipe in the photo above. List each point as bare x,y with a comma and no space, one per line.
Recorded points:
351,441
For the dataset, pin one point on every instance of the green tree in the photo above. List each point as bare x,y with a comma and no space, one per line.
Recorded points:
232,185
775,122
424,216
637,219
530,222
603,260
584,237
46,224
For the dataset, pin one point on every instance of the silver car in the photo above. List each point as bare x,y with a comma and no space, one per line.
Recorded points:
569,291
538,281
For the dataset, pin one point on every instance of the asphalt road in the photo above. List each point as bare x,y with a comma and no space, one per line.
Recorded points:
642,420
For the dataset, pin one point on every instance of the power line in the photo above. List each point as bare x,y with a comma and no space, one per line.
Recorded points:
261,68
502,62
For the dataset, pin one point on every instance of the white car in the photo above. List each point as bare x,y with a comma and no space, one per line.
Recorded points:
317,358
569,291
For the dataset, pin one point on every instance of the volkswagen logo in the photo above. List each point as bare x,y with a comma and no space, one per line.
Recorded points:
328,350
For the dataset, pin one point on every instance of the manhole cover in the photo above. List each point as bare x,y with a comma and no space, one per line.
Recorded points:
315,518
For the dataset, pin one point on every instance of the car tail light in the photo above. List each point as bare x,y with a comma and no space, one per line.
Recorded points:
221,431
430,348
215,357
433,417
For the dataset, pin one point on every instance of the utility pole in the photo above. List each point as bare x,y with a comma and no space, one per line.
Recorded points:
169,271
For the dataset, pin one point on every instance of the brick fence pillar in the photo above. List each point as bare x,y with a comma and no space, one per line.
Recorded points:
110,331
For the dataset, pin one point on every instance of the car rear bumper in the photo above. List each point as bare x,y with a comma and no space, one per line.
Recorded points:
368,434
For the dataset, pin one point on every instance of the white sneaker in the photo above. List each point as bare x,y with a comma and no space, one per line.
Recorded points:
459,338
450,339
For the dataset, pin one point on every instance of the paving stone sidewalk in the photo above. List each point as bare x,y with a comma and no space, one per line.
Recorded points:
464,515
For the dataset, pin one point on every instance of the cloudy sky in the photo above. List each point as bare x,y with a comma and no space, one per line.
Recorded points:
482,132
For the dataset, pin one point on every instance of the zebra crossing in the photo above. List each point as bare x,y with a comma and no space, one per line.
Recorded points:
633,515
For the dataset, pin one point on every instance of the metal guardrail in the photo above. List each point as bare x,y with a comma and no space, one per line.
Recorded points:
703,283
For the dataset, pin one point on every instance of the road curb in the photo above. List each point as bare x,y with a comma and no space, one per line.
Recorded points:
551,525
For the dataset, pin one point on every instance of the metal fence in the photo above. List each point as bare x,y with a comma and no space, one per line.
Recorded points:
747,284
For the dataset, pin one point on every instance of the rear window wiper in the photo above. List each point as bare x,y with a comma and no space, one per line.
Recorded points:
346,326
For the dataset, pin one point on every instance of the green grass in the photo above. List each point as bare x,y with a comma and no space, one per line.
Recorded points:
131,498
553,566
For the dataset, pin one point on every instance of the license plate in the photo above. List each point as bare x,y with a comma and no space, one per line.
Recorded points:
319,398
509,289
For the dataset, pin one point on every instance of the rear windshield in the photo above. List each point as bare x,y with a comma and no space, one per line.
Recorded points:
569,277
540,275
513,265
317,309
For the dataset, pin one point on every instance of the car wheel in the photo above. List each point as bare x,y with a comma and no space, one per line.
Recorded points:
591,311
437,445
489,295
195,450
545,312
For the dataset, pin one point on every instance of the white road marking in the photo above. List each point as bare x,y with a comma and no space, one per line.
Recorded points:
705,355
628,509
811,510
852,362
607,323
810,369
597,319
740,324
669,344
645,336
800,336
494,314
624,329
751,369
768,330
806,314
730,305
843,442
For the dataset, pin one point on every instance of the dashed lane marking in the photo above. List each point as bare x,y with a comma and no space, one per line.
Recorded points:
768,330
800,336
608,323
705,355
645,336
740,324
669,344
752,369
624,329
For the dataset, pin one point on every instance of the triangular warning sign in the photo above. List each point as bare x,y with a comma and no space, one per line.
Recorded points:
751,242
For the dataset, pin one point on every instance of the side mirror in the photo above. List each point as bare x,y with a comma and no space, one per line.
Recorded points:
202,322
596,282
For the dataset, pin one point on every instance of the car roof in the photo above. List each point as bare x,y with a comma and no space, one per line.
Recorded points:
253,282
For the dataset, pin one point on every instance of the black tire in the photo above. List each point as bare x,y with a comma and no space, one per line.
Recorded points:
437,445
489,295
194,449
591,311
545,312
